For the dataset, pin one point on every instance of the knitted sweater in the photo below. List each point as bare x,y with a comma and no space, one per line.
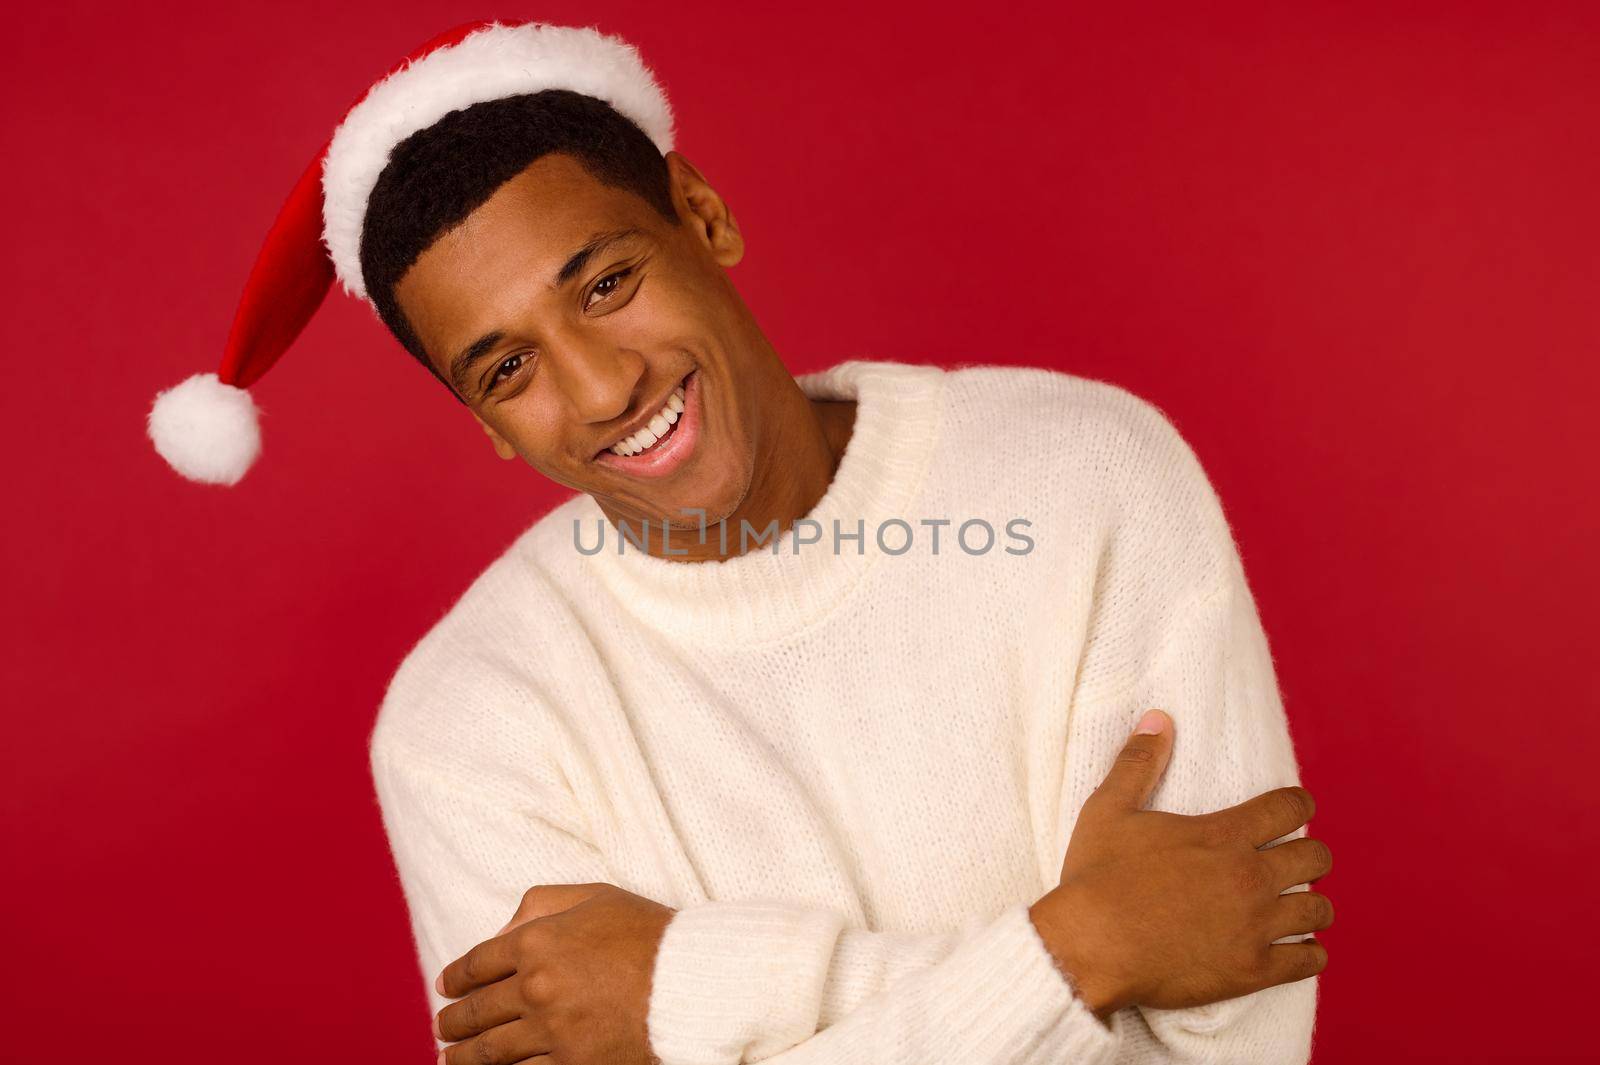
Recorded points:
852,770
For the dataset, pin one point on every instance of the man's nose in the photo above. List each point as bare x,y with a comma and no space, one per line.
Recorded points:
601,381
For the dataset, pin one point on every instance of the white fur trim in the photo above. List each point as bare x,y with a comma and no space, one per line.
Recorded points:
206,430
489,64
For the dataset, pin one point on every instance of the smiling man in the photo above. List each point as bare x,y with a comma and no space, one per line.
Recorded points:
840,749
578,320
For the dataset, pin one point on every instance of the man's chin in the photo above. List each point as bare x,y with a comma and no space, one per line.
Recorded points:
688,520
687,515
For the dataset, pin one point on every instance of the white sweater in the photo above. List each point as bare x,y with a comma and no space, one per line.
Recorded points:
852,772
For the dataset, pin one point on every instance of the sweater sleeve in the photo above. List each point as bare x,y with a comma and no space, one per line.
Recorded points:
1178,628
1214,677
466,851
988,995
740,980
994,996
734,980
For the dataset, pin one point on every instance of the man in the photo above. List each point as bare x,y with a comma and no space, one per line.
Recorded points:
823,753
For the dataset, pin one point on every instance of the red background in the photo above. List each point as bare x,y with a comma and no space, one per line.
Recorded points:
1351,252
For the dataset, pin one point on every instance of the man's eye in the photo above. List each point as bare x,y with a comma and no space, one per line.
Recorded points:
514,363
607,285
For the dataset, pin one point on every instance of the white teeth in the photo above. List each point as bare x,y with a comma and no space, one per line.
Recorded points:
664,419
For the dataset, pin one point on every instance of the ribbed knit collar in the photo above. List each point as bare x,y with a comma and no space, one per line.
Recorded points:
762,595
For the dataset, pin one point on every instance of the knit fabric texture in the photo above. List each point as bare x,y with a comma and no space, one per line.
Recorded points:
852,764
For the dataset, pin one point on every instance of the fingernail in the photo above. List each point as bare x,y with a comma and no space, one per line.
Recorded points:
441,1053
438,983
1153,722
436,1033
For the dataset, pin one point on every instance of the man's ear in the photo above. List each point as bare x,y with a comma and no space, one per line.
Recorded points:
501,448
704,211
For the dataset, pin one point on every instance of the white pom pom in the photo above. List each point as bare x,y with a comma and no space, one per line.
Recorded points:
206,430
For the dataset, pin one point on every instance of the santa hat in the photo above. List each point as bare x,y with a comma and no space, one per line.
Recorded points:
207,427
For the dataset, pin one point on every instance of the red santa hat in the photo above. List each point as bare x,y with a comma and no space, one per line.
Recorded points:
207,427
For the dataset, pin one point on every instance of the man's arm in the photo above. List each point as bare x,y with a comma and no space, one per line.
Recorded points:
470,839
467,850
1175,626
989,992
1154,909
1232,743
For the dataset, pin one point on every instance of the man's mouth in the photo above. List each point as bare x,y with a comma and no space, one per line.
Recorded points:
665,440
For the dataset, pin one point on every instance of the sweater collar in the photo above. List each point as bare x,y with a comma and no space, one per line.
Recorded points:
765,594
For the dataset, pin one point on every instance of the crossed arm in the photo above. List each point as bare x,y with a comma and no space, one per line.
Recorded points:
986,993
761,980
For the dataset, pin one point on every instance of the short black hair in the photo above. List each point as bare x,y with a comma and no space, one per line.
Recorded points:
438,176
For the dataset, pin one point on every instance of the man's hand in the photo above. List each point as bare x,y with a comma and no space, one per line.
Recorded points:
1167,911
568,977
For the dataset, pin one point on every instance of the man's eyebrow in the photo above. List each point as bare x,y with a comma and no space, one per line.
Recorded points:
569,270
593,246
472,353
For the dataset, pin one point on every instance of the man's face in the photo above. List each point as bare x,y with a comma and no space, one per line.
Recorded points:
558,371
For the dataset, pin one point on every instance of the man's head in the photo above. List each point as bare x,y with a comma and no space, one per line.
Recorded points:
479,251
